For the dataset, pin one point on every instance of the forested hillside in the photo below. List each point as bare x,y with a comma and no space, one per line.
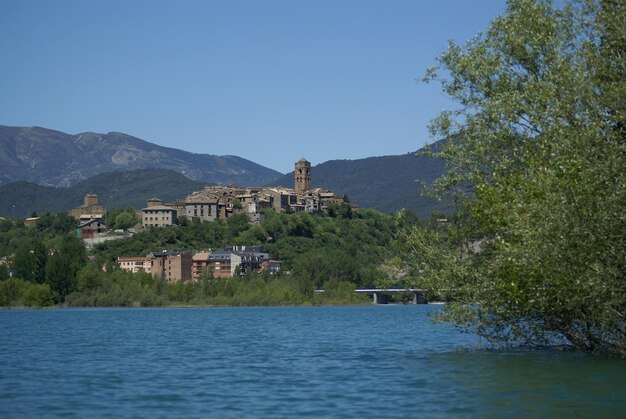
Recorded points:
337,253
118,189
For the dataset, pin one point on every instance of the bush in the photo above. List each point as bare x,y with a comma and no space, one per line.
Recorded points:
16,292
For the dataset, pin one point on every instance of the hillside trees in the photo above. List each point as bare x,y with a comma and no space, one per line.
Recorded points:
342,251
63,266
122,218
316,248
45,261
535,155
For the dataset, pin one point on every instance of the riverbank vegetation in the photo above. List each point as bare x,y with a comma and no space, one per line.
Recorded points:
337,252
536,157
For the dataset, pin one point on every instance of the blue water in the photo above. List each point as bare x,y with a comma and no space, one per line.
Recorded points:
378,361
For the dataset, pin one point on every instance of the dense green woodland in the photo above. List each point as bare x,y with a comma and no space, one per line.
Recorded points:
336,252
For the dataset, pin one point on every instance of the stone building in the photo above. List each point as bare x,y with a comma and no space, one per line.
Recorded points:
302,174
247,259
277,198
89,210
170,265
132,264
91,227
158,215
218,202
203,208
229,262
200,262
219,264
173,266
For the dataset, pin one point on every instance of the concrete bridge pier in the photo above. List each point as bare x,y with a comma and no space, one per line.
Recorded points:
419,298
381,298
381,295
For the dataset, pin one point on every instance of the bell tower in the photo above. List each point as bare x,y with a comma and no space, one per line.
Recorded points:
302,175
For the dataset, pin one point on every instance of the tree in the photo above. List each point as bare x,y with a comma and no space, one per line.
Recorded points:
535,156
342,210
63,266
125,220
89,278
39,260
237,224
4,272
254,235
23,263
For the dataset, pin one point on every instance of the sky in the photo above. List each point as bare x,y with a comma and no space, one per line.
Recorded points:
267,80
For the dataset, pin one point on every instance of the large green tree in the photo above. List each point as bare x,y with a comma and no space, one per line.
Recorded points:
64,265
536,156
24,263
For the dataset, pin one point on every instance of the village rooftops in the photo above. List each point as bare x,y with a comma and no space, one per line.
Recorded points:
219,255
130,259
159,208
164,253
281,190
84,217
86,222
156,204
221,191
202,199
201,257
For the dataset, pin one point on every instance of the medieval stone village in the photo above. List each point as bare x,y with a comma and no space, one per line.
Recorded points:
211,203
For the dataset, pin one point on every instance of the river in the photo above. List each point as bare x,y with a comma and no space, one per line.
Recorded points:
374,361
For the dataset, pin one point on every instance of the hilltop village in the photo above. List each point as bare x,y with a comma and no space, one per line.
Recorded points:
210,204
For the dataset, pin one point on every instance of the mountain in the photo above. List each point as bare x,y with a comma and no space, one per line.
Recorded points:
386,183
119,189
53,158
85,163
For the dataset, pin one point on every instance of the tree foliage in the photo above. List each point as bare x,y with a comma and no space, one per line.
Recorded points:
535,156
63,266
342,251
122,288
17,292
317,248
122,218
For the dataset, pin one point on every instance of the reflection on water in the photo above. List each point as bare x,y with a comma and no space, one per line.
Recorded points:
536,383
284,362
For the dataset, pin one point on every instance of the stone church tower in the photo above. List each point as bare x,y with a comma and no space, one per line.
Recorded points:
302,175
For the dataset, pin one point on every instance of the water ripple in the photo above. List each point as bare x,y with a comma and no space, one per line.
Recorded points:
283,362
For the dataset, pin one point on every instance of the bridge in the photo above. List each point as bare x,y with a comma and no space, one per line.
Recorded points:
381,295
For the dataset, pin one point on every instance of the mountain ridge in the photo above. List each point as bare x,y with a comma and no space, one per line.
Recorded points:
117,189
386,183
53,158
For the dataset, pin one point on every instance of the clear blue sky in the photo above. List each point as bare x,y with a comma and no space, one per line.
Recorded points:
267,80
